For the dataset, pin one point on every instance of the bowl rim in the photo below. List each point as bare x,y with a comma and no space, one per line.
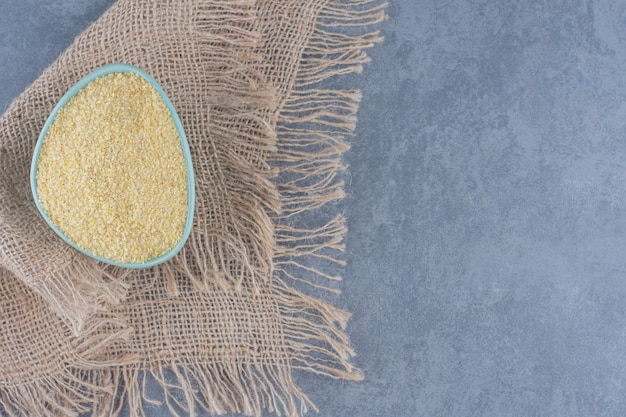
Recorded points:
191,194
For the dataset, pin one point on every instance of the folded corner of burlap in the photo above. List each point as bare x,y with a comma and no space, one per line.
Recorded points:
74,285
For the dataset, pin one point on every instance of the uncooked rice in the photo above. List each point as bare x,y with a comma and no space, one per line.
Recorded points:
111,173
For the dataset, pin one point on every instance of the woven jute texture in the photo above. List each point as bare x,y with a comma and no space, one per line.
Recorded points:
221,326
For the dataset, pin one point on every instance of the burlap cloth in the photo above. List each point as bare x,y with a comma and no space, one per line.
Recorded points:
221,326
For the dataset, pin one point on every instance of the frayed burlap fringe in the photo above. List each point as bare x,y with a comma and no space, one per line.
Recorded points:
222,326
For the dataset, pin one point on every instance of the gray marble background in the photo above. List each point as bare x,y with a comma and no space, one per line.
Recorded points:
487,205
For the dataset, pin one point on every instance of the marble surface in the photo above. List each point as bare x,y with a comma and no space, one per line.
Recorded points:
487,205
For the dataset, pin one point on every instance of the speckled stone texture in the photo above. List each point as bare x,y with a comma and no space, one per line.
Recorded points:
487,205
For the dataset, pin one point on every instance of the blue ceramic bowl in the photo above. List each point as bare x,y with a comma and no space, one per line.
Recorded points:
191,194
